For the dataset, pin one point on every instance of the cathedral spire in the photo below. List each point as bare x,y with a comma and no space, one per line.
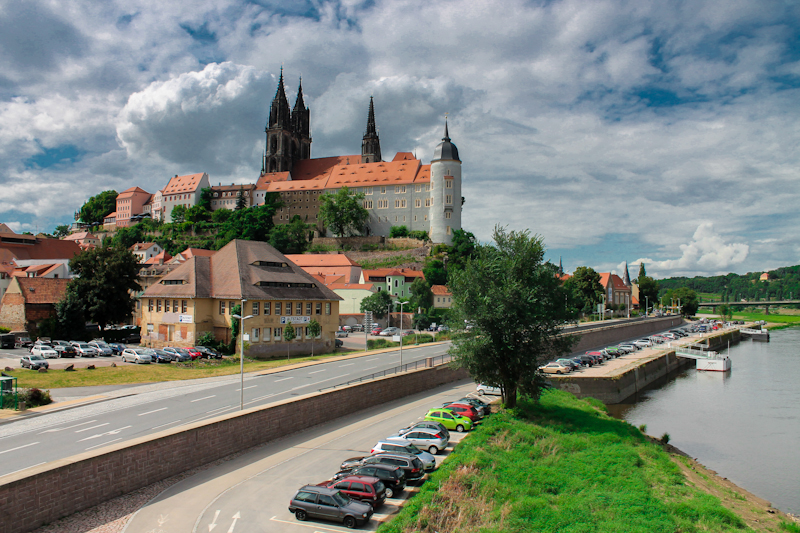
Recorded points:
371,129
560,267
626,279
446,134
371,143
279,115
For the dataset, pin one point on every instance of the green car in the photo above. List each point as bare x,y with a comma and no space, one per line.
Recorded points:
449,419
613,350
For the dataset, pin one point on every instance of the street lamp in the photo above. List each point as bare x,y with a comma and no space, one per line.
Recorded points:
646,305
241,318
401,332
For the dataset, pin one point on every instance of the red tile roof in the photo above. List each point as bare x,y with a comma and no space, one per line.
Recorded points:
179,184
321,260
139,246
351,286
616,280
383,272
440,290
128,193
43,290
39,248
158,259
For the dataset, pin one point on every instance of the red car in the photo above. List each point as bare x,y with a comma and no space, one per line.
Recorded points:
367,489
464,410
376,331
195,353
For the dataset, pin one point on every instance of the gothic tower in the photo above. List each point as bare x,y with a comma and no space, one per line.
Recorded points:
445,210
371,144
300,125
288,138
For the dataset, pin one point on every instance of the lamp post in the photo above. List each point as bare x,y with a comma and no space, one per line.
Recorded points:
646,304
241,318
401,332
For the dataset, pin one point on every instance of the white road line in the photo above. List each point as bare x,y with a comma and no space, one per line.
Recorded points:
317,371
93,427
254,400
19,447
219,409
320,381
206,398
68,427
284,379
372,359
348,364
151,412
112,432
369,368
98,445
167,424
21,469
250,387
316,527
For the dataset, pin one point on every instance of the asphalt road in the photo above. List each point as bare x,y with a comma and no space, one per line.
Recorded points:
251,493
37,440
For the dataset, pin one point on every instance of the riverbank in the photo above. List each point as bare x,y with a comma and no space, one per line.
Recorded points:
567,465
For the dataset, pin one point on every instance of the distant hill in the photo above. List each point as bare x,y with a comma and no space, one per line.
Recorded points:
783,283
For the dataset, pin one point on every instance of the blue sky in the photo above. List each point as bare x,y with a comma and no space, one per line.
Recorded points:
655,131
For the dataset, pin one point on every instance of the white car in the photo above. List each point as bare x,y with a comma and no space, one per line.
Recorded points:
388,332
486,389
137,355
423,438
45,351
643,343
83,349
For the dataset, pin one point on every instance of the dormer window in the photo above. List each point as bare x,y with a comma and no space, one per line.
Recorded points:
282,285
275,264
172,282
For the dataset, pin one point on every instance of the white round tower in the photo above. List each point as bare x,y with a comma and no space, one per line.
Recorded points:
445,210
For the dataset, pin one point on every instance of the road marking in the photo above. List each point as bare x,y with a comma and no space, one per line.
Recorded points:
316,527
19,447
250,387
320,381
213,523
98,445
236,517
372,359
167,424
284,379
254,400
201,399
219,409
93,427
348,364
316,371
21,469
151,412
369,368
68,427
112,432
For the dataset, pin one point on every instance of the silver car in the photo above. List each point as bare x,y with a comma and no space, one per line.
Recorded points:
84,350
101,347
404,446
137,355
423,438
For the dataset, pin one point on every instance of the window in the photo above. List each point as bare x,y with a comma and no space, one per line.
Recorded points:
183,306
367,204
308,308
418,203
150,304
266,334
319,309
277,310
448,184
427,187
278,333
306,497
383,204
288,308
418,187
166,306
383,190
306,333
400,203
255,309
447,214
222,308
399,189
368,191
324,499
158,306
327,308
448,230
174,306
267,306
254,334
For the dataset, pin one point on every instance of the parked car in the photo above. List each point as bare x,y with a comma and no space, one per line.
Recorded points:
411,465
329,504
388,332
376,331
643,343
477,404
341,333
464,410
365,489
160,356
630,347
64,349
569,362
404,446
449,419
393,477
23,342
194,353
101,347
588,360
338,343
357,327
488,389
180,355
137,355
425,439
34,362
45,350
555,368
83,349
427,424
208,353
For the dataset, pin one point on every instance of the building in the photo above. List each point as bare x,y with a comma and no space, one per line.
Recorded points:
188,253
181,190
397,281
351,295
29,301
199,294
84,239
442,297
400,192
328,265
227,196
131,206
616,293
144,251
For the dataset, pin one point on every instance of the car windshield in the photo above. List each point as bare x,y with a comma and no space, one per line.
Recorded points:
37,358
84,345
341,499
182,350
102,344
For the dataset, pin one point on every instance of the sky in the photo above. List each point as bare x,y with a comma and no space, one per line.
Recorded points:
663,132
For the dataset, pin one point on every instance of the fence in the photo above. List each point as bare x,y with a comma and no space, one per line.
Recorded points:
422,363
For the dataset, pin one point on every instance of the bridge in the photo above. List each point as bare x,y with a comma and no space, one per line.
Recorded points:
750,303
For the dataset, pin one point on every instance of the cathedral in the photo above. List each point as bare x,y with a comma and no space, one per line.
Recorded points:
400,192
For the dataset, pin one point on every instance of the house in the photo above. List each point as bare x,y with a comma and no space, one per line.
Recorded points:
616,293
110,221
227,196
159,259
144,251
29,301
84,239
182,190
131,206
191,252
764,277
442,297
351,295
198,297
396,281
328,265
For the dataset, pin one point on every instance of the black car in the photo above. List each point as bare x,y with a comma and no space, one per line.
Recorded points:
208,353
410,464
393,477
588,360
330,504
477,404
64,348
163,357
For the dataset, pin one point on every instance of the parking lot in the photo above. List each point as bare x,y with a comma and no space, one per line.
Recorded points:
9,357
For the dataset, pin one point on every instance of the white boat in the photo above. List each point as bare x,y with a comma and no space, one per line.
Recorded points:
717,363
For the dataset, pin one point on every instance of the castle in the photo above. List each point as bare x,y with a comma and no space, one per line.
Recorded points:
400,192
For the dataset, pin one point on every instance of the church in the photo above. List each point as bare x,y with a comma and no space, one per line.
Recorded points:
400,192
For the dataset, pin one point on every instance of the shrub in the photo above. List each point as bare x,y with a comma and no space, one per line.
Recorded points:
419,235
643,428
665,438
398,231
207,339
4,330
35,397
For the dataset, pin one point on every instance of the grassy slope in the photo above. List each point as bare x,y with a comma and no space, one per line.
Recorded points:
574,469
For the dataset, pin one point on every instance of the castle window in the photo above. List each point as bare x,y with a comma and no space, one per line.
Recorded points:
418,188
418,203
383,190
448,184
448,199
427,187
428,202
448,230
399,189
368,190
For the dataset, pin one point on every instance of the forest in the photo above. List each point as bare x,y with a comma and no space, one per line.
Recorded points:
783,283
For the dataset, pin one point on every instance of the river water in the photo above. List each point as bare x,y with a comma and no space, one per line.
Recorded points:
745,424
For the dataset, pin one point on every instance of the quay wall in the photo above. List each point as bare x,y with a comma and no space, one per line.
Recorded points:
41,495
616,333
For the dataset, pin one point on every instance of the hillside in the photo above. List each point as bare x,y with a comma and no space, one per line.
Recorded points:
783,283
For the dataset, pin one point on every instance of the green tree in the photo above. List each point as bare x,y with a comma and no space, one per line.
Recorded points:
99,207
434,272
343,212
463,248
196,213
241,203
254,224
289,334
516,305
378,303
398,231
220,216
725,311
585,288
291,238
685,297
107,279
642,271
70,321
235,310
178,214
648,291
61,231
126,237
421,295
205,199
314,329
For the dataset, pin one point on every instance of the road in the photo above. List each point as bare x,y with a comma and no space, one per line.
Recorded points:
251,493
37,440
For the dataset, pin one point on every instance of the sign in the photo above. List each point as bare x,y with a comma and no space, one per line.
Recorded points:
185,319
246,337
396,338
295,319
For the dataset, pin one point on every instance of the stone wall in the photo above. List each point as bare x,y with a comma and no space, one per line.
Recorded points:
43,494
12,314
348,242
616,333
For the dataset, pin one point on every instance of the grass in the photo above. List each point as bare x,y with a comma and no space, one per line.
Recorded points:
388,262
125,374
561,466
787,320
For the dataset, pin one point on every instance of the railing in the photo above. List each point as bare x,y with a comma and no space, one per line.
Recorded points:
422,363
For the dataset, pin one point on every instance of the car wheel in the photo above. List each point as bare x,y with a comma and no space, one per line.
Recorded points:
349,522
389,492
300,515
558,371
460,428
433,450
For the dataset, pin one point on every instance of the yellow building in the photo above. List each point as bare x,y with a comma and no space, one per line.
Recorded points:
198,296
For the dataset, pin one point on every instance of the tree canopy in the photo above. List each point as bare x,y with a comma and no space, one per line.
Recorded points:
421,296
648,291
343,212
99,207
291,238
585,288
685,297
378,303
61,231
515,304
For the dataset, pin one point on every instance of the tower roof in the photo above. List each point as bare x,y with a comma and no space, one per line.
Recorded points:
446,150
371,129
279,114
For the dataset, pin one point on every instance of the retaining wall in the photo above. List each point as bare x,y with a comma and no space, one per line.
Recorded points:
616,333
43,494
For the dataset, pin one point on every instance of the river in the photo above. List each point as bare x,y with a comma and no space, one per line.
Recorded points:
745,424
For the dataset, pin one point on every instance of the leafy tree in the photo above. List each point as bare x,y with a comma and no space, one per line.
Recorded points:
196,213
291,238
107,278
61,231
725,311
127,237
240,201
398,231
343,212
463,248
314,329
254,224
206,339
642,271
289,334
235,310
585,288
178,214
648,291
435,273
421,295
378,303
70,321
220,216
516,305
99,207
687,298
205,199
422,320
